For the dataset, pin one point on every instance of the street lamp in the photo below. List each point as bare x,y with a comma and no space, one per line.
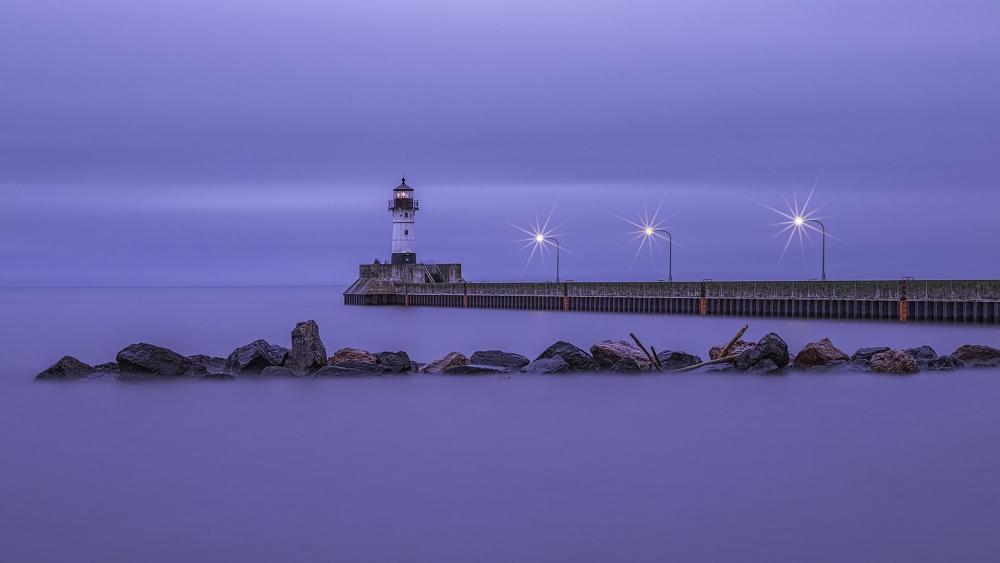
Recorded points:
650,231
540,238
800,221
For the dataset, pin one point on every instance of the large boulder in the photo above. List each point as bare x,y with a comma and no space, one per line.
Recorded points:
555,364
355,354
819,353
145,361
611,352
576,358
507,360
922,354
308,353
976,355
474,369
863,356
671,360
394,362
768,355
738,348
252,358
894,362
440,365
67,368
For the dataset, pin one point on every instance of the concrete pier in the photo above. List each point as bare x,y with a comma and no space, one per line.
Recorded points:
959,301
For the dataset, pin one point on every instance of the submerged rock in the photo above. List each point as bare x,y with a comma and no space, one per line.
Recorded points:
213,364
977,356
474,369
819,353
629,364
554,364
894,362
66,369
394,362
575,358
276,371
454,359
144,361
671,360
609,353
768,355
738,348
356,354
351,367
943,363
507,360
863,356
308,353
254,357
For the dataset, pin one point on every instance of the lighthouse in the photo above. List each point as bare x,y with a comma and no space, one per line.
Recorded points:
403,208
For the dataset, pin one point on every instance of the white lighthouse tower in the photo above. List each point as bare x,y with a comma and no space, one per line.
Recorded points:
403,208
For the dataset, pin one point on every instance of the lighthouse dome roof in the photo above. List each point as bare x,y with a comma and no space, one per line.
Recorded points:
402,186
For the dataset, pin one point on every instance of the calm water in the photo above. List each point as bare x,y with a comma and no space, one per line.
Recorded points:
586,468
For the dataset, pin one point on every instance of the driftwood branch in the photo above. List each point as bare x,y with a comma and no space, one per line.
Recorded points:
724,356
729,347
656,358
644,351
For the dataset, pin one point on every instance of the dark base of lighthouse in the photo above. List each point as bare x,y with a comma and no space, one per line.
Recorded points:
404,258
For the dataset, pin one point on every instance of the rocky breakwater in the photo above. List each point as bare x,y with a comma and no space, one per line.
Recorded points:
306,356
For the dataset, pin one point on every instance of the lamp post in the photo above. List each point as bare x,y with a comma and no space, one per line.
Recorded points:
799,221
670,249
541,238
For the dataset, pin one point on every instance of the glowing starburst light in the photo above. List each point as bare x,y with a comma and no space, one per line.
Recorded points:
542,239
648,230
798,221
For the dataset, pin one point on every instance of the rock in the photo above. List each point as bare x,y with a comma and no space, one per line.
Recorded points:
345,354
671,360
394,362
308,353
819,353
837,366
212,364
977,356
276,371
576,358
440,365
765,366
738,348
629,364
895,362
922,354
554,364
105,369
474,369
218,376
943,363
351,368
611,352
67,368
254,357
768,355
143,361
863,356
508,360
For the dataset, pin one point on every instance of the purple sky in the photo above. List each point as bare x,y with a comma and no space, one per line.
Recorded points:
211,141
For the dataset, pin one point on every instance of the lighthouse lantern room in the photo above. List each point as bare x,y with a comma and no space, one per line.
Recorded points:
403,208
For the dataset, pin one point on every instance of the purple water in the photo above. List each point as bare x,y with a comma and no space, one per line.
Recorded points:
433,468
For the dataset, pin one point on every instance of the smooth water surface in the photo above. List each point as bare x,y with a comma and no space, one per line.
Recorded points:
695,467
